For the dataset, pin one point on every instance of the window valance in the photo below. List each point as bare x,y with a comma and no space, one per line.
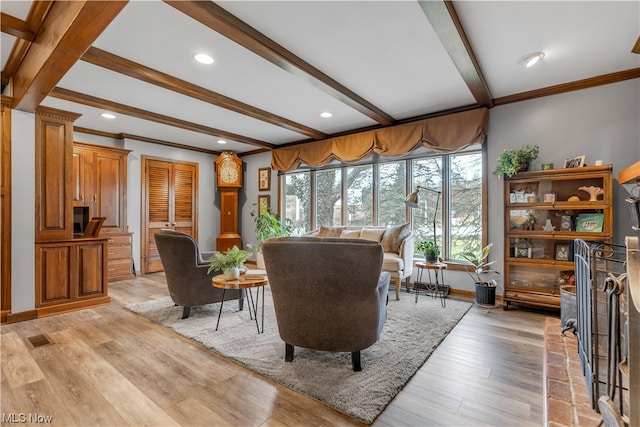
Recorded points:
444,134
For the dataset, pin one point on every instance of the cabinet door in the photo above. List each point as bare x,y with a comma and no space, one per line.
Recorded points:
184,197
90,264
54,149
109,189
53,274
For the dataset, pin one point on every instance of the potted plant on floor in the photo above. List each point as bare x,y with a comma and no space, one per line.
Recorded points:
268,225
516,160
482,275
229,263
430,250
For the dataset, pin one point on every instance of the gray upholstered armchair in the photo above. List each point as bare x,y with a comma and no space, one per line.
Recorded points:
186,272
329,294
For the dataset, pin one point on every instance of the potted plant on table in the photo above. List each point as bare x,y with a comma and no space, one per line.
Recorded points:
430,250
482,275
268,225
229,263
516,160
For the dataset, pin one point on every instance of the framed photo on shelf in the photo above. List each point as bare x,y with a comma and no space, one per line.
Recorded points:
263,204
566,223
264,179
574,162
550,197
562,252
590,222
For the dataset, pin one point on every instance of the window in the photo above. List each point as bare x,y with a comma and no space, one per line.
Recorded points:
373,194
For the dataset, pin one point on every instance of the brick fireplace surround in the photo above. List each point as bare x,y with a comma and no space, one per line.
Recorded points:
567,401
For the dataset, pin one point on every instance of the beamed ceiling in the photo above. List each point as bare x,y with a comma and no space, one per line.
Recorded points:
279,64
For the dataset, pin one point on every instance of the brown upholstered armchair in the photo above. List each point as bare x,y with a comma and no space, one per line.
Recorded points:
329,294
186,272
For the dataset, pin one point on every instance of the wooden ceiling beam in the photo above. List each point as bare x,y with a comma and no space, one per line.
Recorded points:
604,79
92,101
16,27
67,32
223,22
121,65
444,20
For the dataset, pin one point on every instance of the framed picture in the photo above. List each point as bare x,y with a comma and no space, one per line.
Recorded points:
263,204
264,179
566,223
590,222
574,162
562,252
550,197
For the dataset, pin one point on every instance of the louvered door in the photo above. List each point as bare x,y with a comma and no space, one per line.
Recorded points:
170,202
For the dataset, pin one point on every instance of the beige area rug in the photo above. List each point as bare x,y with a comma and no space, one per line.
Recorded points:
413,330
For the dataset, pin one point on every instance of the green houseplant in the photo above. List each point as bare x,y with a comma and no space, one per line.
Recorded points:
430,249
229,262
516,160
268,225
481,273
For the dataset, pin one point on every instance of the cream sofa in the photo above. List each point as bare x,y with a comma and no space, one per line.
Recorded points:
398,244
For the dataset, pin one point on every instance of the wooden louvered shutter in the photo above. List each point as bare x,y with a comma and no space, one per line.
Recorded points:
170,202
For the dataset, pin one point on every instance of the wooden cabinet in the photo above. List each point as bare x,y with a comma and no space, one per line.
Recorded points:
119,256
229,236
54,145
544,212
100,183
70,274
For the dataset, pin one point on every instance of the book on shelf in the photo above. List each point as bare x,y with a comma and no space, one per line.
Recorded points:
590,222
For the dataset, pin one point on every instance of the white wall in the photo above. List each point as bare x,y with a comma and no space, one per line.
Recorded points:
23,216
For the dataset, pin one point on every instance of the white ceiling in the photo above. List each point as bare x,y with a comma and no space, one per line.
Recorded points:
386,52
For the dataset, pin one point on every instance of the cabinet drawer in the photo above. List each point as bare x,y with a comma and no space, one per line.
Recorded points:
119,240
119,268
119,252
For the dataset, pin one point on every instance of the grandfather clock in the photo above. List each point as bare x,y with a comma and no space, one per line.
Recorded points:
229,181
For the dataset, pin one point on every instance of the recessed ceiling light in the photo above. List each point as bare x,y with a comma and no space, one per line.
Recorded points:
203,58
222,141
531,59
326,114
108,115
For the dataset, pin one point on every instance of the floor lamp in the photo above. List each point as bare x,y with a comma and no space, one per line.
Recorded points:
412,202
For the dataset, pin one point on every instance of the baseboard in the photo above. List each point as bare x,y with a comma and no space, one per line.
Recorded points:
22,316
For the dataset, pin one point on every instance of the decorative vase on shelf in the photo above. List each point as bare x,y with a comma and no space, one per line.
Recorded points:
548,226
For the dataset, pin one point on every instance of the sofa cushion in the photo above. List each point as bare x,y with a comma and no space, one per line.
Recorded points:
392,262
350,234
329,231
393,237
374,234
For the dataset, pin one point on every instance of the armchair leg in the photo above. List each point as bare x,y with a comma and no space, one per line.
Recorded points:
186,311
288,352
355,361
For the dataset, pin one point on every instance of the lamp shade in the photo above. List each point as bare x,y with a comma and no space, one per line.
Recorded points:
412,199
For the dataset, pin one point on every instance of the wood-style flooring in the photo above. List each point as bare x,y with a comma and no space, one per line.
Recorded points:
110,367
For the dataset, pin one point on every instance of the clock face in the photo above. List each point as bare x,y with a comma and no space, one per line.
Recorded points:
228,172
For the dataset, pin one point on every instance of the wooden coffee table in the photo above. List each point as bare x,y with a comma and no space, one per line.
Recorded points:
247,282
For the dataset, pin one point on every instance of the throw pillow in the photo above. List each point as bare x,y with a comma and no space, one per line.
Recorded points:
350,234
374,234
394,236
329,231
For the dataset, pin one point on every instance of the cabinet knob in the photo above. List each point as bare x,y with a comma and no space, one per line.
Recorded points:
174,224
166,225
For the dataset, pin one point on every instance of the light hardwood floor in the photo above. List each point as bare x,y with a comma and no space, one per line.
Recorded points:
110,367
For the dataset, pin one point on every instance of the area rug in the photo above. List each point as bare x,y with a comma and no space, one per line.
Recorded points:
413,330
